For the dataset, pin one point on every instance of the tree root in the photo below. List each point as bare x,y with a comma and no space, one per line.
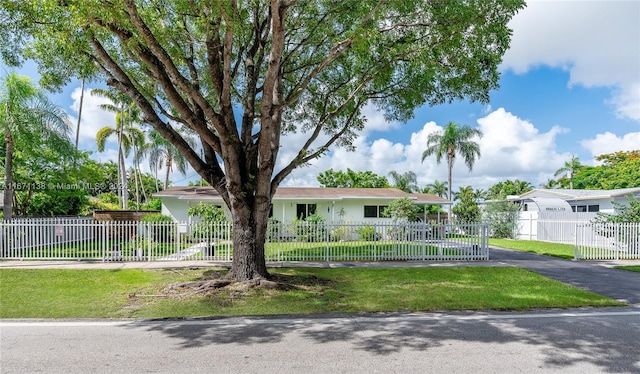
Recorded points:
188,289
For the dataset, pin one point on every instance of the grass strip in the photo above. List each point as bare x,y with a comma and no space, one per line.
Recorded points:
542,248
55,293
635,268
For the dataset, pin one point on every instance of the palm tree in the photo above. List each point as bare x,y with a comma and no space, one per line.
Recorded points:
162,151
455,139
406,182
128,135
26,113
481,194
549,184
569,169
437,188
465,191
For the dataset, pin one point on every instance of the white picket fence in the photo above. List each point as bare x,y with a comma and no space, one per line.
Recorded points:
86,239
607,241
591,241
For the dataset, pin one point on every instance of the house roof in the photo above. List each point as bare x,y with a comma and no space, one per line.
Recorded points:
309,193
579,194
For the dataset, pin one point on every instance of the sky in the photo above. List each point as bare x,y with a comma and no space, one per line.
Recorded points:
570,86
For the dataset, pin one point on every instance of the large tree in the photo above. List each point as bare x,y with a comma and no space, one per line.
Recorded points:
28,116
241,74
455,139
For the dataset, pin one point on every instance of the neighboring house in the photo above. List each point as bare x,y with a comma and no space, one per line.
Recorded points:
579,201
289,203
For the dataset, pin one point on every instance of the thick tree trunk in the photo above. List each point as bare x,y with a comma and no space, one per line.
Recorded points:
249,233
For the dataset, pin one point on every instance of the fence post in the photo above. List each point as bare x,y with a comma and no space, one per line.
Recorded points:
575,244
617,236
103,226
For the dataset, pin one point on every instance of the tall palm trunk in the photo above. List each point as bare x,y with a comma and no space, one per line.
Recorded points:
124,204
79,115
169,165
7,209
450,157
124,188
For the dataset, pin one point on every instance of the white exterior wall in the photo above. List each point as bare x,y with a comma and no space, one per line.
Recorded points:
178,208
285,211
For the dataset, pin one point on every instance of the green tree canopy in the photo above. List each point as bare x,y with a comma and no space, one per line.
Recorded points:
466,209
243,74
508,187
351,179
618,170
33,127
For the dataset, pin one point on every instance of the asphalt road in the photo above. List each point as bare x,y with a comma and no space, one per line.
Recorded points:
587,341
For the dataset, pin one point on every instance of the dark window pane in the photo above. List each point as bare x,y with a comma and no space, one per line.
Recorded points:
301,211
370,211
594,208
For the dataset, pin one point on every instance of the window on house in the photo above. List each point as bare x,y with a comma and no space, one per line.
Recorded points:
305,210
593,208
374,211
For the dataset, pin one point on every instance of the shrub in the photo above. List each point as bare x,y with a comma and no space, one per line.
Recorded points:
213,224
368,233
311,229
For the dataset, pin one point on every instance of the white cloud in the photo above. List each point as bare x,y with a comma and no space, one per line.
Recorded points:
93,118
376,120
598,42
610,143
511,148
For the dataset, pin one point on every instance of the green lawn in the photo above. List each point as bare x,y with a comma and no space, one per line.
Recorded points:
542,248
635,268
139,293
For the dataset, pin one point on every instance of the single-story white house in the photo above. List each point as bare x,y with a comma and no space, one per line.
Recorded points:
579,201
289,203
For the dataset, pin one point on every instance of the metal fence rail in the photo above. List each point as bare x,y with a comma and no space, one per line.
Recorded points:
607,241
76,239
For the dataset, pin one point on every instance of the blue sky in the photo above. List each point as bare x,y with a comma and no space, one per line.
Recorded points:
570,86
